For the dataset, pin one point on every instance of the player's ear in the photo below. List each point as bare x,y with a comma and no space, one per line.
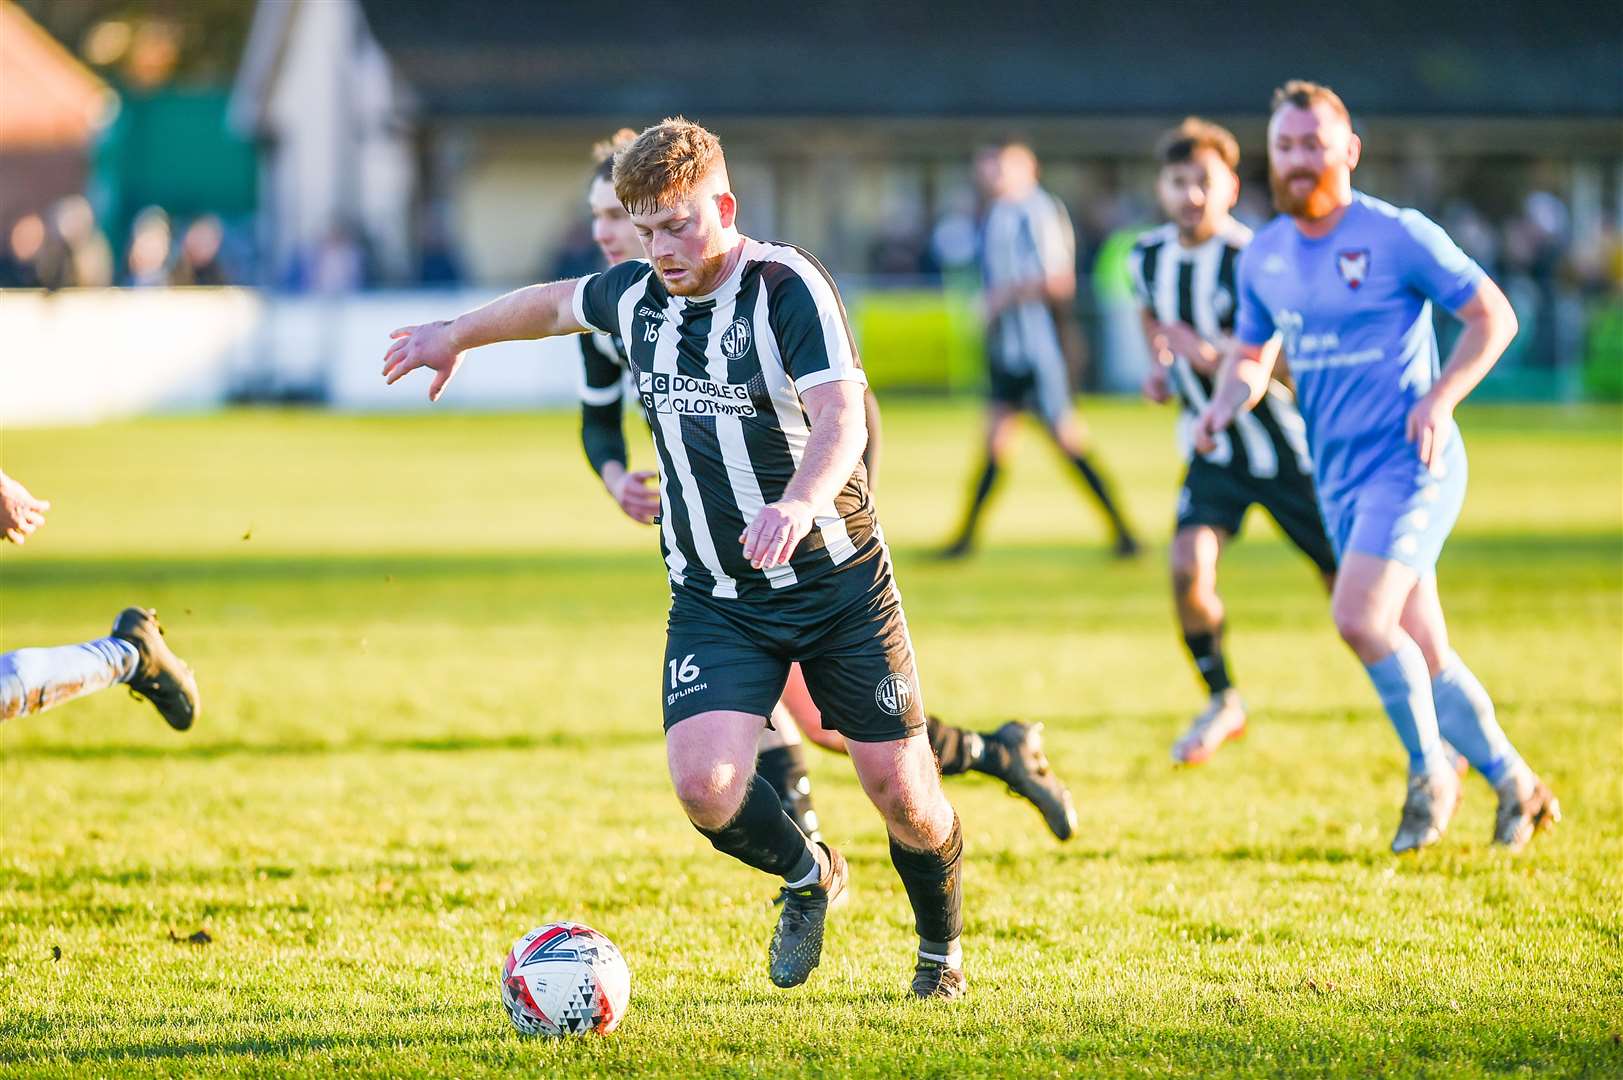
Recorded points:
1355,148
727,208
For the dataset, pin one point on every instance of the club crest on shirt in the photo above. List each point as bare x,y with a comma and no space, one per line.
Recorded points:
1354,266
735,340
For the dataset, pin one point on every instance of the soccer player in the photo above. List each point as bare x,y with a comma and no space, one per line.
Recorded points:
1028,267
135,654
1183,274
741,354
1344,283
1013,753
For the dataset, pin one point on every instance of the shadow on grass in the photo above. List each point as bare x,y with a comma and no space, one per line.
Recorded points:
556,740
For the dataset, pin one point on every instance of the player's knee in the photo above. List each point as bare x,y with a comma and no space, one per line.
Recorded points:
710,795
1360,629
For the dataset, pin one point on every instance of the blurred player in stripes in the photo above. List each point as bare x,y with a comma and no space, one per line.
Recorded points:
1184,276
1345,284
1028,269
1013,753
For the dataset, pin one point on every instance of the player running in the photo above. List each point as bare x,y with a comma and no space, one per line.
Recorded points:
1184,276
135,654
1013,753
1345,283
742,357
1028,267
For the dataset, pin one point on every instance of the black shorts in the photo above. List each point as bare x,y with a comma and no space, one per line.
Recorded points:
845,628
1219,497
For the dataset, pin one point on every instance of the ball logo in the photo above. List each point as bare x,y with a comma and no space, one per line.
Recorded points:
894,694
735,340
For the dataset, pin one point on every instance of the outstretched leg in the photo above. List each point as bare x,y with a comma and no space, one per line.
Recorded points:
1000,432
1367,603
1195,553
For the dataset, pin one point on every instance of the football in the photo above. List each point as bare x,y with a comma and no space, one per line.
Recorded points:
565,979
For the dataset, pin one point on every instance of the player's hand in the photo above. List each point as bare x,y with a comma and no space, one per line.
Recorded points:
633,494
1156,387
429,345
777,530
20,512
1429,428
1208,425
1182,339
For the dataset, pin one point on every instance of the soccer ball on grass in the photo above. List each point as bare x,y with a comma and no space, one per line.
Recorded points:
565,979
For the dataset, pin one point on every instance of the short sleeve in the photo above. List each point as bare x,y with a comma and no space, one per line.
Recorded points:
1254,323
597,296
1135,277
1052,233
601,372
808,320
1433,265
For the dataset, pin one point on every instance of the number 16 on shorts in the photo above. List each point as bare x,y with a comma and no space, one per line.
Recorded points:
683,672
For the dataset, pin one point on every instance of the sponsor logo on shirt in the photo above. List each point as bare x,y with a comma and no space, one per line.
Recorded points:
683,395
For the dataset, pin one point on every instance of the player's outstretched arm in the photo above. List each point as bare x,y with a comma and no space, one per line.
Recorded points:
20,512
1490,324
839,432
536,311
1242,380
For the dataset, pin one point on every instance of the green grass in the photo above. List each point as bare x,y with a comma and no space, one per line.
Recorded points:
429,650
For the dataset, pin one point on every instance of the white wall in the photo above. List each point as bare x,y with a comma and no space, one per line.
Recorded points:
96,354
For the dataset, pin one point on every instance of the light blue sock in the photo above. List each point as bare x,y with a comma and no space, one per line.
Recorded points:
1404,684
33,680
1465,718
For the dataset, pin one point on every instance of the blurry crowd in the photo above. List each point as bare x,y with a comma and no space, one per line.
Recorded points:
66,248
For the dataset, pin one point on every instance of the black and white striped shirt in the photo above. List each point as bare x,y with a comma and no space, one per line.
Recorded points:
1196,285
1023,239
720,377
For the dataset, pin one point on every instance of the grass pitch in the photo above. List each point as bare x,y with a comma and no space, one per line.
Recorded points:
430,652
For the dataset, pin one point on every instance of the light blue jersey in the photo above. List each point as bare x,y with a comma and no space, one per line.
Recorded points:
1354,311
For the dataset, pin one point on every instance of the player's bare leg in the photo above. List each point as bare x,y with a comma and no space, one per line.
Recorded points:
1466,719
1014,754
1071,438
1367,605
1001,430
926,847
712,764
1195,553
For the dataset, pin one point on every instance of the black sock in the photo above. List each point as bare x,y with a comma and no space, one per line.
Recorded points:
958,750
1207,649
784,770
983,491
763,836
1101,491
934,887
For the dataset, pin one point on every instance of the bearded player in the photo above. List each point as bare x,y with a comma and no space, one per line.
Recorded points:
1013,753
1345,284
742,356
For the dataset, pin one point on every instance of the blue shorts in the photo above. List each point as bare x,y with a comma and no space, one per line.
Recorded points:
1404,512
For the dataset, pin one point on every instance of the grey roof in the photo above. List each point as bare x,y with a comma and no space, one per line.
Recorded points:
995,58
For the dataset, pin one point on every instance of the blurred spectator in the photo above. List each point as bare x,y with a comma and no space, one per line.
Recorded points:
439,266
338,265
18,268
88,255
199,262
147,263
